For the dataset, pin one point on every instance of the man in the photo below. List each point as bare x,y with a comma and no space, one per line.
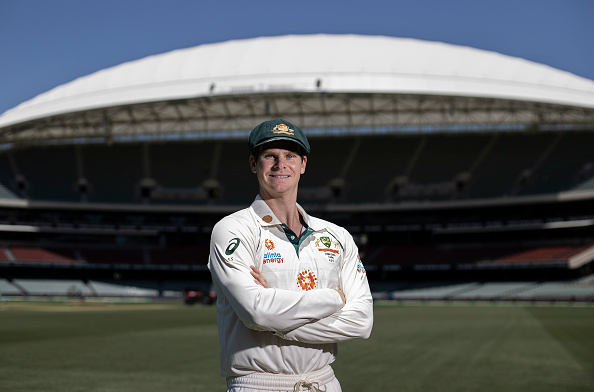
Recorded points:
289,286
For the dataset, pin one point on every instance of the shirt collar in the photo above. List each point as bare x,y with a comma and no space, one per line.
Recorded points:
267,218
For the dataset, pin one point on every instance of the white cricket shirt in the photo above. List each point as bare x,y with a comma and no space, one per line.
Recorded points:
292,326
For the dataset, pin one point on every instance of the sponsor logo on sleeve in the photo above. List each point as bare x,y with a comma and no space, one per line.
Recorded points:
233,244
360,267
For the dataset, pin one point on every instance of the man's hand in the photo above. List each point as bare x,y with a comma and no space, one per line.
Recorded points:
342,296
258,277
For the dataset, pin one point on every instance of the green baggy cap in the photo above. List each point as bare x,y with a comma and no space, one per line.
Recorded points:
277,129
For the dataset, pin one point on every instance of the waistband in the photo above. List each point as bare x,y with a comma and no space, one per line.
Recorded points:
289,382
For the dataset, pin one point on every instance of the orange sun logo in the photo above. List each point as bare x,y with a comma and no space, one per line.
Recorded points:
269,244
306,280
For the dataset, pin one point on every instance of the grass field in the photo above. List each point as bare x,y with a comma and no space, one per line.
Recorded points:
62,347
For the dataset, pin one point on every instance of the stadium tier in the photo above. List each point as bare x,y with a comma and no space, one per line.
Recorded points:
29,254
342,170
376,257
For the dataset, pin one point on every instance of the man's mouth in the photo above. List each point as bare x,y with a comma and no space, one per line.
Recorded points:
280,176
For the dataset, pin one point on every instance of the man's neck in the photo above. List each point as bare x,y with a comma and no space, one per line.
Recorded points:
285,209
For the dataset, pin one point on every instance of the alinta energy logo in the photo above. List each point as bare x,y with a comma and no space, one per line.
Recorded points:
307,280
272,257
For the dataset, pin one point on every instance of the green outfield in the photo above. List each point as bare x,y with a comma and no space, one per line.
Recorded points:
96,347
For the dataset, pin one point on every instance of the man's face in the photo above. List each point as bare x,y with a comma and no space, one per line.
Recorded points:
278,167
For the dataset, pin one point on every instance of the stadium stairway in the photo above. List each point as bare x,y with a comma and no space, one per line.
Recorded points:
6,194
586,185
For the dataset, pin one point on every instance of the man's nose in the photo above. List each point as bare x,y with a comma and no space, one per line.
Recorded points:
279,162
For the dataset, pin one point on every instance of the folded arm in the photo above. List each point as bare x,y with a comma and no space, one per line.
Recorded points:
354,320
232,253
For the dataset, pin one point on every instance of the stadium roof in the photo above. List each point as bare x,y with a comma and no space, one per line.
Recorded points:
321,81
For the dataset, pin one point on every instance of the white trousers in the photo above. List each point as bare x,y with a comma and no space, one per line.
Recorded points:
322,380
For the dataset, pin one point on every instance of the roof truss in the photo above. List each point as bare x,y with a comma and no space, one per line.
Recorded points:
214,117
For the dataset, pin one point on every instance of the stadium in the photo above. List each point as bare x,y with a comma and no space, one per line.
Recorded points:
462,174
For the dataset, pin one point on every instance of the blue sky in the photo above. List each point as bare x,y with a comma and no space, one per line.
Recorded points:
45,43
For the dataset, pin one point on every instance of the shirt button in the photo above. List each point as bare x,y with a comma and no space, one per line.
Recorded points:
292,237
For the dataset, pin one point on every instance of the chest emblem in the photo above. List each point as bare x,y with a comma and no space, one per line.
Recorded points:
269,244
329,247
307,280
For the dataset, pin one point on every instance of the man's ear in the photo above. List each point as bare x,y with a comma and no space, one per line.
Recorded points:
303,164
253,163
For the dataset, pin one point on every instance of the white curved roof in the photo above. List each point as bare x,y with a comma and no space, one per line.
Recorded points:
343,63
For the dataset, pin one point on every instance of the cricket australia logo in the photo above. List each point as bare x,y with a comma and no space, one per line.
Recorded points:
328,246
283,129
307,280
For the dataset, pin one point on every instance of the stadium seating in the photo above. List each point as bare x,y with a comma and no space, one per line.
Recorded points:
374,168
498,173
238,183
543,254
8,187
5,193
437,291
50,255
328,162
422,255
113,256
564,167
412,237
403,255
378,162
7,288
180,255
103,289
3,255
558,291
114,172
57,287
180,165
373,255
494,291
50,172
471,254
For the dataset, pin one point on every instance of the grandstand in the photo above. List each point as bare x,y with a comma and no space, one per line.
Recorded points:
473,170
